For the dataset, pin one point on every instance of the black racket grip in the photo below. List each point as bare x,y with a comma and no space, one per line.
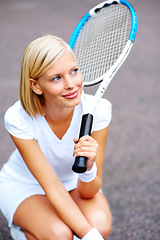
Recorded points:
79,165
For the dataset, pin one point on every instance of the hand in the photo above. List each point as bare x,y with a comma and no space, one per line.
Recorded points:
86,146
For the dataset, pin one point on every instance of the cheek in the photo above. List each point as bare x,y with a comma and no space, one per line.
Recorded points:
80,80
54,91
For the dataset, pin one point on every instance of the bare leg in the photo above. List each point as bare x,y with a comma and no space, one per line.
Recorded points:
96,210
39,221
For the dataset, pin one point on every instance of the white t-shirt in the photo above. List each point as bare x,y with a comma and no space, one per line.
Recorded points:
58,152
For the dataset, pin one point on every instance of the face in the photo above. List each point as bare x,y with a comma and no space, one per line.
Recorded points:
61,84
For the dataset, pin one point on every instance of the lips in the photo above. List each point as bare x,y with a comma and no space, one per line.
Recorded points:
71,95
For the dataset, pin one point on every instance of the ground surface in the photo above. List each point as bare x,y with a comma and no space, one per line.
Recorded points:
132,160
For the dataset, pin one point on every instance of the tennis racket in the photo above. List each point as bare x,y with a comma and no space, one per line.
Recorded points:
101,42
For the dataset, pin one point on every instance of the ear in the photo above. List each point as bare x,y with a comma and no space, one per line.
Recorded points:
35,87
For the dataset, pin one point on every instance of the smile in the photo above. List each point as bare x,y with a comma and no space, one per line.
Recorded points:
71,95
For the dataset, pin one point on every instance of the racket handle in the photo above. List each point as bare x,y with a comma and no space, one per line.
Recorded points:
79,165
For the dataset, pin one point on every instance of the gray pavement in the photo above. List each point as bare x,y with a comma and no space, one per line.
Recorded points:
132,159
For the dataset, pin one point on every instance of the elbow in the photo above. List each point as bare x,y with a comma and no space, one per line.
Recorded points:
86,195
89,190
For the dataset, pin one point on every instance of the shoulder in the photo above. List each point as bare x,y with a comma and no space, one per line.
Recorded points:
103,112
16,113
90,99
18,122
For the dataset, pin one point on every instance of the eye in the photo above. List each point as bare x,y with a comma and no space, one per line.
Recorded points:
55,79
74,71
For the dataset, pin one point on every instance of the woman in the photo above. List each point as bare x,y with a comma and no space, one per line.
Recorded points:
40,195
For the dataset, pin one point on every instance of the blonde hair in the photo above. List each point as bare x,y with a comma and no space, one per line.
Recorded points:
37,58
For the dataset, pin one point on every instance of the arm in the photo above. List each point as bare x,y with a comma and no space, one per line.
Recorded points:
54,189
89,189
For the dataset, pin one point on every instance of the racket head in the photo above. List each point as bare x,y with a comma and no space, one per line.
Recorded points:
100,39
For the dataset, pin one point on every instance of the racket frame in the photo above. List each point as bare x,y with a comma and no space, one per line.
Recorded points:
79,165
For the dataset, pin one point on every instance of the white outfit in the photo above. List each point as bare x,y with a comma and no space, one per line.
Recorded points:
16,181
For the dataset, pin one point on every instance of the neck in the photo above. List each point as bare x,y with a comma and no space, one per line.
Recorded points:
58,115
59,121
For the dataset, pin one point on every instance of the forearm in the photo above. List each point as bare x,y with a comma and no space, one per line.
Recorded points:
89,182
67,210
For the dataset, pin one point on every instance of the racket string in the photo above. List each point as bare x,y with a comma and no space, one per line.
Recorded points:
102,40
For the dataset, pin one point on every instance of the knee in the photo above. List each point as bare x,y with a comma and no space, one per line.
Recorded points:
103,224
105,228
60,233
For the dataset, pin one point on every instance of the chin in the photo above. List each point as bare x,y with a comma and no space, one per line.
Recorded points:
74,102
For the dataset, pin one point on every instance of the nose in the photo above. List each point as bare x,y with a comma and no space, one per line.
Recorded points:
69,83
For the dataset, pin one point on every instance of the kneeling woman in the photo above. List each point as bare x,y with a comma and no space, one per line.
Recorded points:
40,195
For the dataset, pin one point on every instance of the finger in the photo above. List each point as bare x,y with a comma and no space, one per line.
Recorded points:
87,138
84,154
87,147
85,144
89,152
76,140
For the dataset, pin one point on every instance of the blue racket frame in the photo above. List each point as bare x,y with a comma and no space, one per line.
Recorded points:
88,15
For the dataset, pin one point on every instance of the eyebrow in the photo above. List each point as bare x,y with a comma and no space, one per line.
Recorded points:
58,74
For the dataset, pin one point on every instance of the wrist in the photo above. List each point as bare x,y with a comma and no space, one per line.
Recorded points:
93,234
89,176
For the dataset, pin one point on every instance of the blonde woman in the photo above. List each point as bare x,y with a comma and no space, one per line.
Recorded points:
40,196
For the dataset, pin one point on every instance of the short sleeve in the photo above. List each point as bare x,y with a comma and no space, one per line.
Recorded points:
18,123
102,114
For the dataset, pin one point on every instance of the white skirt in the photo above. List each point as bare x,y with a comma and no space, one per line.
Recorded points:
13,193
